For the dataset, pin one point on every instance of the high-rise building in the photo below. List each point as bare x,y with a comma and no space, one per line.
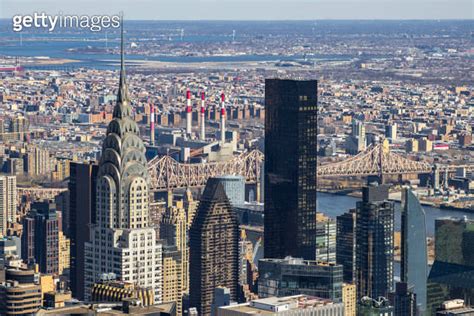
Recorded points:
345,244
173,276
8,202
37,161
404,300
64,253
374,242
414,258
82,211
40,238
122,241
62,201
213,248
391,131
356,141
452,273
349,299
234,187
290,168
325,238
174,232
291,276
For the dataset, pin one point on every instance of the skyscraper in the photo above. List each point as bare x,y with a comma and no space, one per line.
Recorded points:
213,248
173,230
40,238
8,202
82,183
122,240
290,168
414,259
374,243
452,273
325,239
345,244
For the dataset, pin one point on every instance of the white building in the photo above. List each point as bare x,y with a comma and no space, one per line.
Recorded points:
122,240
8,202
298,305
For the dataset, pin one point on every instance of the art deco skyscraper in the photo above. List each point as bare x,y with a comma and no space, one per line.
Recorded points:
122,240
290,168
213,248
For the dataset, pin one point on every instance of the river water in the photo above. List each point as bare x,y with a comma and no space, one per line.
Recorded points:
333,205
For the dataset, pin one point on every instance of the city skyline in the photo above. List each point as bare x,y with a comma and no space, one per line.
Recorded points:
239,167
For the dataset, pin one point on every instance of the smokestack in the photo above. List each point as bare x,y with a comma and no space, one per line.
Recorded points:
152,124
189,114
203,113
222,118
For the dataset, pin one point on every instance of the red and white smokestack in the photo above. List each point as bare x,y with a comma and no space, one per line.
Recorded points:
189,114
203,114
223,118
152,124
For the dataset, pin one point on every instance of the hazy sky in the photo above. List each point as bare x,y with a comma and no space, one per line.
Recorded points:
249,9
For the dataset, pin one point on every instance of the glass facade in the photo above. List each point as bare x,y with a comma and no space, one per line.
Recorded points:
290,168
345,244
452,273
292,276
374,243
414,249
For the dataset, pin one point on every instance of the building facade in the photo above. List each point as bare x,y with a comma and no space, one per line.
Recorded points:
290,168
8,202
40,238
292,276
349,299
122,241
82,182
374,243
325,239
452,273
213,248
345,244
414,257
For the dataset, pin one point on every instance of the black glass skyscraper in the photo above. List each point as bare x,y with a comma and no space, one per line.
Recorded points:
345,244
414,252
290,168
374,243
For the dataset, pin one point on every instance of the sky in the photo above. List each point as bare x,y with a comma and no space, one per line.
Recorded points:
248,9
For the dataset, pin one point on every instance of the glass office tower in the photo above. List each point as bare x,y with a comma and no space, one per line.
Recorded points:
290,168
414,252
